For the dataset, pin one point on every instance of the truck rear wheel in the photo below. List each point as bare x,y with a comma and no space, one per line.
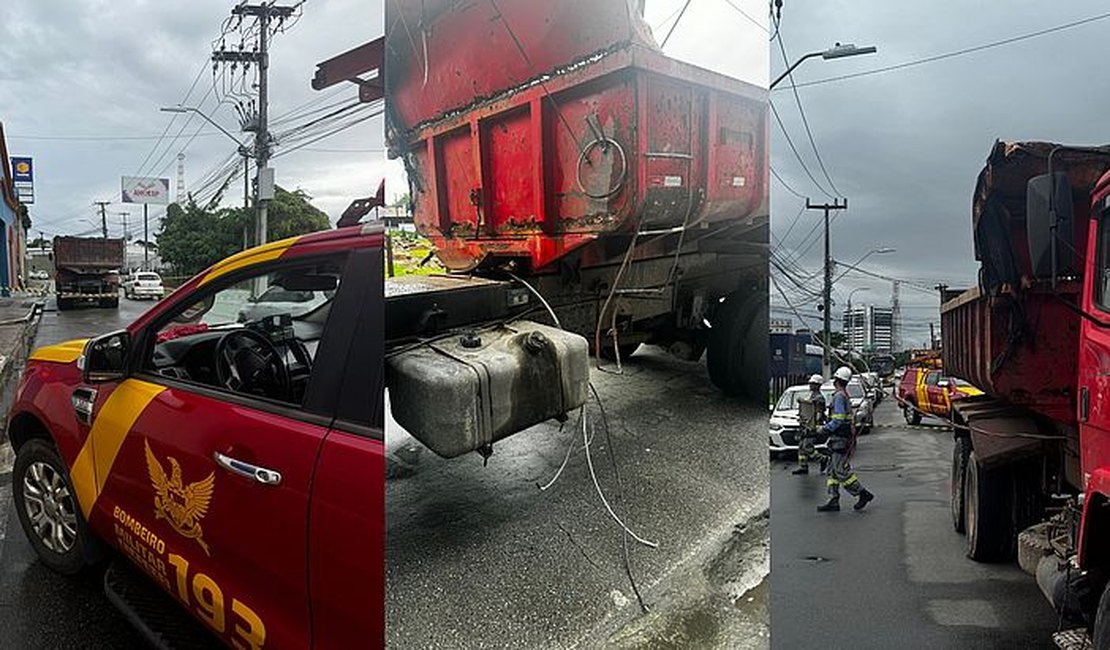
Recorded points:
988,512
738,353
65,304
1100,631
957,476
110,303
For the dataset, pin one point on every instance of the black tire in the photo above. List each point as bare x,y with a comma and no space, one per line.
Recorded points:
957,476
71,556
109,303
738,353
65,304
912,415
988,513
1100,630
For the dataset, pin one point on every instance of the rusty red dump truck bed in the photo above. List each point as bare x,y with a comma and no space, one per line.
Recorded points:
530,130
1013,336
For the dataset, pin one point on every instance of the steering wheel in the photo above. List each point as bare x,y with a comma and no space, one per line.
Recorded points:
247,362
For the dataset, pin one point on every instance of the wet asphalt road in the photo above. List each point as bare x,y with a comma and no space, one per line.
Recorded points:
479,557
39,608
895,574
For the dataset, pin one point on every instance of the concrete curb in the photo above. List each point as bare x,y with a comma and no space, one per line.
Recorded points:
11,365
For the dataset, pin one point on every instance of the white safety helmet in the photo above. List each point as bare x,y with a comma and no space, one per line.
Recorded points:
817,379
843,373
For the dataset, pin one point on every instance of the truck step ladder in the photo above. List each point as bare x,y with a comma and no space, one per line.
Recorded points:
155,614
1076,639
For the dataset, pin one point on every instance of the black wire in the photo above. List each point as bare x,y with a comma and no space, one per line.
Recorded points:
675,24
802,112
782,127
784,184
955,53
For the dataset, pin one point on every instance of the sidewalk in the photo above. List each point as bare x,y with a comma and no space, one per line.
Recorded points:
19,320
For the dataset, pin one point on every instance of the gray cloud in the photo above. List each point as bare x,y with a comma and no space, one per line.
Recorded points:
905,146
101,69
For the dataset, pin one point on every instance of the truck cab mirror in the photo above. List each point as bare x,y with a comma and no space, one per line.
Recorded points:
105,357
943,383
1044,197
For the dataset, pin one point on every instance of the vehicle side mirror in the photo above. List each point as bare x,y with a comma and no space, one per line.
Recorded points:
943,383
105,357
1047,204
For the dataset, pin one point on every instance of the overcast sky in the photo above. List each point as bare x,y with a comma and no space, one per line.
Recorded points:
83,80
905,146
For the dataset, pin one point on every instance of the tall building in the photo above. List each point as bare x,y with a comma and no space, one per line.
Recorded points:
869,329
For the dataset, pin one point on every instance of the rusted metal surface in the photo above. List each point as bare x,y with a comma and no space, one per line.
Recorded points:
1020,346
361,65
998,205
628,140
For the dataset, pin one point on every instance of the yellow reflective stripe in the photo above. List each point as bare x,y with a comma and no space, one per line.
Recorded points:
851,479
249,257
840,416
110,428
831,482
61,352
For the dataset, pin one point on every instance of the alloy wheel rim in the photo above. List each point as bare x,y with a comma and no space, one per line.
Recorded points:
49,507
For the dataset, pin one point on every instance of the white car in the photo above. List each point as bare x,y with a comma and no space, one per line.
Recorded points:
278,300
39,275
143,284
784,429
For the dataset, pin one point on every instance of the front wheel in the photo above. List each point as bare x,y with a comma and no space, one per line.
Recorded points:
1100,631
46,505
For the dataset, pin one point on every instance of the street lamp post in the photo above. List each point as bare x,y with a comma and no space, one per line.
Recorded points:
874,251
241,148
837,51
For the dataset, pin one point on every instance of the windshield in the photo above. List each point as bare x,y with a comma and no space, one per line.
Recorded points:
789,400
148,277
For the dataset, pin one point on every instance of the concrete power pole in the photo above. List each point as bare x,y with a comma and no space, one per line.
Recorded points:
103,217
826,363
264,13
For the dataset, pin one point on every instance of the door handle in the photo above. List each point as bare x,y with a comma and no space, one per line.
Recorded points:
254,472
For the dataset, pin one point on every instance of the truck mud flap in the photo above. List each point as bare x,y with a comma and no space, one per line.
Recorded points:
153,612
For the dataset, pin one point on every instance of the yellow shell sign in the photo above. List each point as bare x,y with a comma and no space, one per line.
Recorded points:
22,167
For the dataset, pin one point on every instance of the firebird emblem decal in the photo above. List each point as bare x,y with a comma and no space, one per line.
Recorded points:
183,506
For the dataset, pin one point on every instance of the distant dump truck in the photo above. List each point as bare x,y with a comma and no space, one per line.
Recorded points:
86,270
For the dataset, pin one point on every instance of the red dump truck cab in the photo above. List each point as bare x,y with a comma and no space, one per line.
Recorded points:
224,451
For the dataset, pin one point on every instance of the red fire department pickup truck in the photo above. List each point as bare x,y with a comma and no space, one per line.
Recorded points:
925,390
227,446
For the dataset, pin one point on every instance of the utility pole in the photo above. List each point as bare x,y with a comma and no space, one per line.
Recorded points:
264,13
895,319
42,241
103,217
826,363
123,219
932,338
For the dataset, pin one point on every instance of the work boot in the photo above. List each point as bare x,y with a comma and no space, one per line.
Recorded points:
800,470
864,498
832,506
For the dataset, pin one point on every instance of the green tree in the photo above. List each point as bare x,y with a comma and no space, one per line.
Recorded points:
291,214
193,238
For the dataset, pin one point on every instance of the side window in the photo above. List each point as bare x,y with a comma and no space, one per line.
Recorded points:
1102,285
256,335
932,378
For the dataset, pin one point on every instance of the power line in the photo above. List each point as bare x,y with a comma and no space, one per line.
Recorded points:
748,16
786,185
675,24
802,112
794,149
956,53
